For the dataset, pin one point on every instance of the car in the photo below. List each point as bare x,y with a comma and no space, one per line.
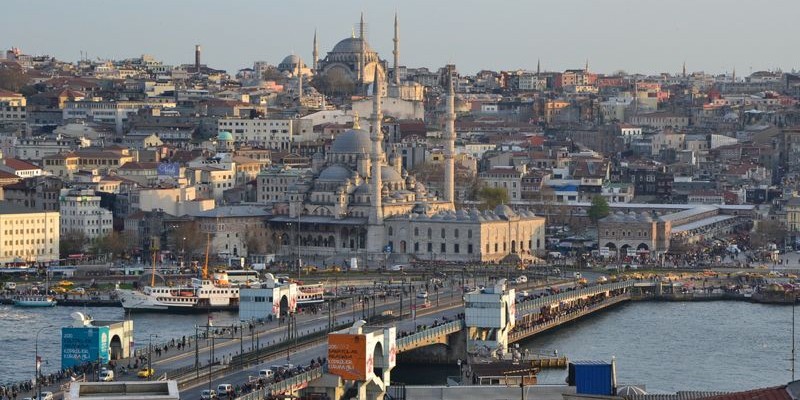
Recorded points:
106,376
208,394
78,290
145,372
46,396
422,295
398,267
224,390
10,286
521,279
266,373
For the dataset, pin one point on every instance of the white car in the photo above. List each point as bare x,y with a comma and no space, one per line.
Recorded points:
208,395
46,396
422,295
522,279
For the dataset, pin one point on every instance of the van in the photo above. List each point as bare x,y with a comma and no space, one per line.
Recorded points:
266,374
106,376
224,389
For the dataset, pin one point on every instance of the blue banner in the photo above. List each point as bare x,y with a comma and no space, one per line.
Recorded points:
81,345
169,169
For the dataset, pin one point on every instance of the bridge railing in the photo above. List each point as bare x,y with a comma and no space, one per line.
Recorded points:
407,342
286,385
529,306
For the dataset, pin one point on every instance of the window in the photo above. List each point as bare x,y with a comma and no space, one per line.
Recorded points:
456,248
469,248
416,231
430,247
443,234
430,233
416,247
390,231
455,233
469,234
443,248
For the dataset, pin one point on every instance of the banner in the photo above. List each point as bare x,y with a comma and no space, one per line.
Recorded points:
347,356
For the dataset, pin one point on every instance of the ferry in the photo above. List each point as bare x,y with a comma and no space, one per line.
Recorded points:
310,294
201,295
34,301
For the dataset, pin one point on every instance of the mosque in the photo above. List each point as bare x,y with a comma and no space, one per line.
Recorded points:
358,202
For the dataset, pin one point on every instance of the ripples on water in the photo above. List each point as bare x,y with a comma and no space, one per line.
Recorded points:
669,347
18,328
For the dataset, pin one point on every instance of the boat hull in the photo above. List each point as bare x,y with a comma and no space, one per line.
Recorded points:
138,302
34,303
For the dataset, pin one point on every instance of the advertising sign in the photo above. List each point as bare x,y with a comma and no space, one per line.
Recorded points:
347,356
82,345
169,169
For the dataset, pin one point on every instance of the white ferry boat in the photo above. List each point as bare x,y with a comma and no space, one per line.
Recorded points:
200,296
310,294
34,301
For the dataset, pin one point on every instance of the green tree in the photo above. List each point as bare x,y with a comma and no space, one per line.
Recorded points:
116,244
599,209
71,242
492,197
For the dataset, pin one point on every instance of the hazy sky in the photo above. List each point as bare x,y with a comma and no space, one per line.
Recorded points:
634,35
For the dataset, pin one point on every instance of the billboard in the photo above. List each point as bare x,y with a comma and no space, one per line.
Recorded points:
84,344
169,169
347,356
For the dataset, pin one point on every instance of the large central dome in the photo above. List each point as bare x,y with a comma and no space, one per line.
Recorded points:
353,141
351,45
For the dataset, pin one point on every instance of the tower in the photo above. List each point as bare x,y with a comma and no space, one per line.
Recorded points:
362,59
684,69
376,158
315,52
197,58
538,67
396,51
375,229
450,140
299,81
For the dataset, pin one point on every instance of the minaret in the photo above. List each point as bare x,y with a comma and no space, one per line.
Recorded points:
197,51
376,158
362,59
684,69
586,68
315,53
733,78
450,141
396,51
538,67
299,81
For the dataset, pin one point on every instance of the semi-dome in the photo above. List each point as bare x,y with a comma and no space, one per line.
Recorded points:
352,141
390,175
225,136
503,210
335,173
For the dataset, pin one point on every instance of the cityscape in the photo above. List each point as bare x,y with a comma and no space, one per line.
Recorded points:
334,222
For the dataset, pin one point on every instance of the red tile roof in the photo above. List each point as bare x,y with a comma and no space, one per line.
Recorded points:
18,165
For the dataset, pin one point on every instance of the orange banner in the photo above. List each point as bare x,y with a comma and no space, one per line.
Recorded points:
347,356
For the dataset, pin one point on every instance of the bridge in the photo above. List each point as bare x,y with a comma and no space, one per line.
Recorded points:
533,317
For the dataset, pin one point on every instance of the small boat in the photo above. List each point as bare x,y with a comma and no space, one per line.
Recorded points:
34,301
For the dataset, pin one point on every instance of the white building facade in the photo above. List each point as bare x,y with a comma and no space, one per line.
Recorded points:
81,212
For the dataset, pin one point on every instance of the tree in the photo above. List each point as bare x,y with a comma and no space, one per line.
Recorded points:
115,243
599,209
766,232
492,197
71,242
12,79
188,240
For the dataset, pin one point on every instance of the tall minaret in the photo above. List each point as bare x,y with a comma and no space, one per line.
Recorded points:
538,67
299,81
396,51
362,59
315,53
450,141
376,158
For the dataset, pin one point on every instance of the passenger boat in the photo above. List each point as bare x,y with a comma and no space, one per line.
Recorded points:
201,295
310,294
34,301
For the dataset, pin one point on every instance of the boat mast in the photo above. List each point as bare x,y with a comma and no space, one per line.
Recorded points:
154,247
205,264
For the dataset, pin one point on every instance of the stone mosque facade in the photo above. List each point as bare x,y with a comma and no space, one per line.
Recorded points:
359,202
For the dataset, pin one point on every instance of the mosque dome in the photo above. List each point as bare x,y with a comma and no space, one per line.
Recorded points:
390,175
290,62
335,173
351,47
352,141
225,136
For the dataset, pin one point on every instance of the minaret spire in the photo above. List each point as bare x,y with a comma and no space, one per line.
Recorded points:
586,68
315,52
684,69
538,67
361,26
396,51
299,81
376,158
450,140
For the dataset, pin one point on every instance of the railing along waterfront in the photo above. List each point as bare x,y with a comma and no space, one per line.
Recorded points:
408,342
534,305
287,385
522,334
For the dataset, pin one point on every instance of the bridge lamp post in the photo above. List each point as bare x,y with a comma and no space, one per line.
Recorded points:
150,356
460,372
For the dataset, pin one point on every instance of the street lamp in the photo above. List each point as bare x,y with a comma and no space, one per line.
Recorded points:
38,364
460,372
150,356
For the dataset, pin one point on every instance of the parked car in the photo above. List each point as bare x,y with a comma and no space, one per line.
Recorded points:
522,279
208,394
145,372
266,373
106,375
422,295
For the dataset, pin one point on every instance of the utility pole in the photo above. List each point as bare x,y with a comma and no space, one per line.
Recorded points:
196,353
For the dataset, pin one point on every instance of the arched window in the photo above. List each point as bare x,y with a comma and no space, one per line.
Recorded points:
430,233
390,231
443,234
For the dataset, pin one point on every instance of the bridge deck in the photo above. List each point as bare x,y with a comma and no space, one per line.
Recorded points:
538,328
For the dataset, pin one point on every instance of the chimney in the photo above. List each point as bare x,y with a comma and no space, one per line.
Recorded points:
197,58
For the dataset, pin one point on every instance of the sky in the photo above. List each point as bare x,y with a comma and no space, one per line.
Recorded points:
645,36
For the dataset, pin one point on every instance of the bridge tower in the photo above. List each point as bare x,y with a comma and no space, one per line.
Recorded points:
490,315
363,359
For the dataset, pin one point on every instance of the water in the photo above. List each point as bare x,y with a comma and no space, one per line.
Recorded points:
667,346
18,328
721,346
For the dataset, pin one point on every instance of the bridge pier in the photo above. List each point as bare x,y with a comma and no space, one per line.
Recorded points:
364,360
490,315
